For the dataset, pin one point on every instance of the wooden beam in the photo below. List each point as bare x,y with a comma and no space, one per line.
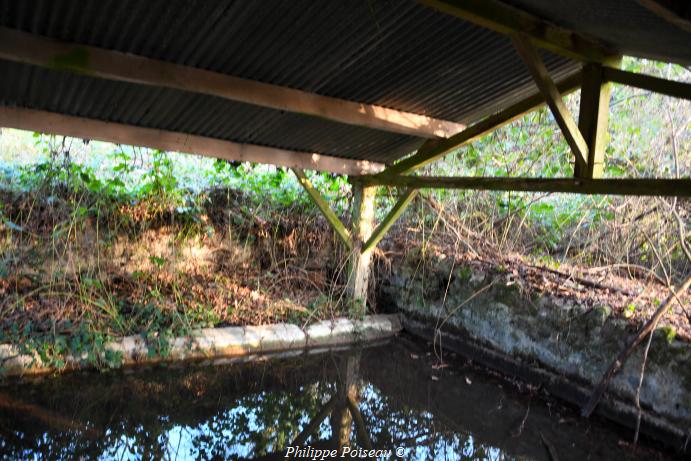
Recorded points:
554,100
508,20
97,62
397,210
648,82
675,12
638,187
434,150
593,118
324,207
78,127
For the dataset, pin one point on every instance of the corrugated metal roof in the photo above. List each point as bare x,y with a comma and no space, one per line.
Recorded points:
174,110
394,53
625,25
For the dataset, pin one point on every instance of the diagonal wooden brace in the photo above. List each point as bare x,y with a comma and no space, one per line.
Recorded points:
397,210
561,113
434,150
320,201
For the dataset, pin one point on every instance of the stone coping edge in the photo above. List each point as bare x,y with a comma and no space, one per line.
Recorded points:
216,343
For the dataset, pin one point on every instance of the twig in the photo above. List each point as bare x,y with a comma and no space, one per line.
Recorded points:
550,448
636,267
519,429
628,350
584,282
638,389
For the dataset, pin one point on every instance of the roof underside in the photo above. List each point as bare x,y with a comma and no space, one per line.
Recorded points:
395,54
625,25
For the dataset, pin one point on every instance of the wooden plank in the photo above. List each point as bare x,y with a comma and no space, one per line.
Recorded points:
506,19
554,100
593,118
87,60
434,150
648,82
78,127
324,207
397,210
675,12
638,187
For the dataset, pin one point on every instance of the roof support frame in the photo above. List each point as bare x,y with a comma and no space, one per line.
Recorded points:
561,113
508,20
31,49
648,82
638,187
79,127
432,151
399,207
670,11
593,118
323,206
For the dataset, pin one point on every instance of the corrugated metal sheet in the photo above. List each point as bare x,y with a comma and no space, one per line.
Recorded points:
119,102
625,25
394,53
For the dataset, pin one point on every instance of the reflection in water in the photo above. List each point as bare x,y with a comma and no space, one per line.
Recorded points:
378,398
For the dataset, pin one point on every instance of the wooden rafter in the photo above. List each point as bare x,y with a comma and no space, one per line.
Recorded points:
403,201
324,207
671,11
554,100
655,187
78,127
506,19
87,60
434,150
648,82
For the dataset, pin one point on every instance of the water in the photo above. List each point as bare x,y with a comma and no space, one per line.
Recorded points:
400,399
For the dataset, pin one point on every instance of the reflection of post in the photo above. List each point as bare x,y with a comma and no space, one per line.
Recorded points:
50,419
314,423
362,435
347,391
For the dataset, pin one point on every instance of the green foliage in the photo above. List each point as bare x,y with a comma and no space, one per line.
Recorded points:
87,347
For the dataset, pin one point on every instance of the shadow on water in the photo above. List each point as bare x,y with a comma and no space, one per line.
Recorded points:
377,398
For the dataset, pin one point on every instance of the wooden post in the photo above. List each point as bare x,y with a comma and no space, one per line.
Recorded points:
363,225
593,117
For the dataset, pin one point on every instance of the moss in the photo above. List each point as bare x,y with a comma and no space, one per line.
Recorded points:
464,274
507,294
76,60
599,315
664,352
666,333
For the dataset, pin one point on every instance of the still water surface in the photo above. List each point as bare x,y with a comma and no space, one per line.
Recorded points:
389,397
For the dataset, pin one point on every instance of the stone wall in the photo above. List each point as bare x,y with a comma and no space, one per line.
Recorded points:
569,340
